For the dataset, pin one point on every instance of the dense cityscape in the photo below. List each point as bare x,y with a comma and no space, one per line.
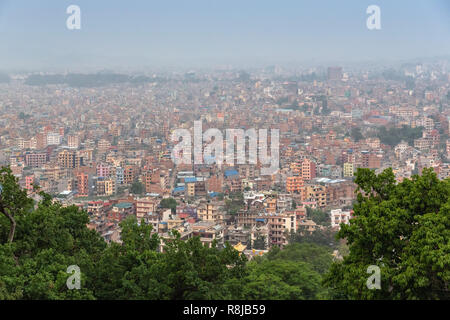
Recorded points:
107,149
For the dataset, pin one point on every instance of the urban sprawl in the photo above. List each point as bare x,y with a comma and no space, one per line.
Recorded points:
106,146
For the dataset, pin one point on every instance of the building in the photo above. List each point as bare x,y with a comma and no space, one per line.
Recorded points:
69,159
338,216
103,170
308,170
294,184
210,212
73,142
120,211
280,225
35,160
349,169
317,194
145,207
53,138
29,181
106,187
82,184
370,160
208,232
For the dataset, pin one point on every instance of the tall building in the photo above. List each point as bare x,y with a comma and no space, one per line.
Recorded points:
69,159
447,145
120,175
279,225
73,141
308,170
106,187
348,169
29,180
83,184
103,170
41,141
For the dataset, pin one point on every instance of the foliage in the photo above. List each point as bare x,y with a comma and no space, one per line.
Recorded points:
324,237
137,187
260,243
394,136
234,203
293,273
318,216
169,203
402,228
356,134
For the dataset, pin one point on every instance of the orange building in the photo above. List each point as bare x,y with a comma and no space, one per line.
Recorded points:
294,184
83,184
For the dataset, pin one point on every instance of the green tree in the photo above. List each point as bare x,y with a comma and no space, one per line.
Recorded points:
234,203
280,280
394,136
356,134
260,243
169,203
318,216
404,229
317,256
13,201
137,187
47,240
321,236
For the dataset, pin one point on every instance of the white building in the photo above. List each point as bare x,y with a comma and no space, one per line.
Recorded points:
53,138
338,216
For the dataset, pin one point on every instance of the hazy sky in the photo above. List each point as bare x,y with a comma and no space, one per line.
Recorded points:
168,32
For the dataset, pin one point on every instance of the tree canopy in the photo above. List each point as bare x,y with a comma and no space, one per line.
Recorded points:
404,229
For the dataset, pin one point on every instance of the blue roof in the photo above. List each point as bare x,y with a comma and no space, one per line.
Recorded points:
123,205
213,194
178,189
231,172
188,180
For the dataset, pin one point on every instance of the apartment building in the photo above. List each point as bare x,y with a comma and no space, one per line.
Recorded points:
280,225
338,216
294,184
211,212
35,160
144,207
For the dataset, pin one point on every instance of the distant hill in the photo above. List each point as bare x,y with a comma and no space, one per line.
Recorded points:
86,80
